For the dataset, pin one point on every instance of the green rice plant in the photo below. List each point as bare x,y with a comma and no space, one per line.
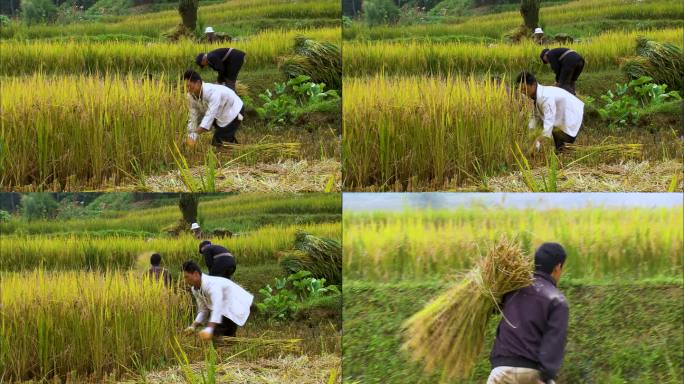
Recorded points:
23,57
226,211
230,15
123,252
573,15
448,333
602,243
601,52
92,324
413,133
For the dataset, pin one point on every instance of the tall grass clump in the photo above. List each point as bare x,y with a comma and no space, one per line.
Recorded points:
412,133
318,255
448,334
120,251
91,324
602,243
60,137
19,57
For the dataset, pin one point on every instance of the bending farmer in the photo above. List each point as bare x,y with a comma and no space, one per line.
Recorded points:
218,259
226,61
217,106
226,303
556,108
566,64
530,339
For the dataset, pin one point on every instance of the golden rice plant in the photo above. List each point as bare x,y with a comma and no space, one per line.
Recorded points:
602,243
27,56
448,334
600,52
87,130
74,251
412,133
91,324
318,255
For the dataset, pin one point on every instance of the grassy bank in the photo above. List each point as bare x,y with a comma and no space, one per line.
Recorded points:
618,333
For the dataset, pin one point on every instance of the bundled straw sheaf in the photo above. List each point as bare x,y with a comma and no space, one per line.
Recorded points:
664,62
318,255
448,334
321,61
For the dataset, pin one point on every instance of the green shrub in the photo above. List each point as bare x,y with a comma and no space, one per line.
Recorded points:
378,12
36,206
4,216
38,11
289,293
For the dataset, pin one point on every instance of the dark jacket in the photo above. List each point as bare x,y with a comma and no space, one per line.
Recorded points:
533,331
226,69
570,60
220,266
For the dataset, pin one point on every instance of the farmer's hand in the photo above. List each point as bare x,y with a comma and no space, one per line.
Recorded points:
206,333
192,139
190,330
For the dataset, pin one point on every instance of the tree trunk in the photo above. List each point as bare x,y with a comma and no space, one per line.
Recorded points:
529,9
188,202
188,12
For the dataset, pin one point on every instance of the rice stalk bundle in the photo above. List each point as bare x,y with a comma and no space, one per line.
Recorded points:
448,334
319,255
263,152
664,62
606,152
321,61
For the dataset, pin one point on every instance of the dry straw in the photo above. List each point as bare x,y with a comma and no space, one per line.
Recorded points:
448,334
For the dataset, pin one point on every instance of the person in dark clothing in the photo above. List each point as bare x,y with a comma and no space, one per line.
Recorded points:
218,259
156,272
226,61
566,64
530,339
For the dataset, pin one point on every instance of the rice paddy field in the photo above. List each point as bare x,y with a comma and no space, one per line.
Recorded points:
109,110
622,280
77,309
431,105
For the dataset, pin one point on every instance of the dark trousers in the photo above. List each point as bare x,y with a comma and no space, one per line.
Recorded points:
569,74
561,138
226,134
223,266
232,67
226,328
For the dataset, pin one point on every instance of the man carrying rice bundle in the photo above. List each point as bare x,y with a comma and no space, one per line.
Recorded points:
559,110
530,339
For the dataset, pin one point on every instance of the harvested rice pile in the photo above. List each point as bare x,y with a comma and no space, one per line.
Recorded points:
318,255
448,334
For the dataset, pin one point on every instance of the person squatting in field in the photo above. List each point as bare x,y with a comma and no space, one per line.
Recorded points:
226,61
156,272
566,64
530,339
221,302
218,259
212,105
556,108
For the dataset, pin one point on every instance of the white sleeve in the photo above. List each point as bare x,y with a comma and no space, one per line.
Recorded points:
201,308
217,304
209,117
549,119
192,118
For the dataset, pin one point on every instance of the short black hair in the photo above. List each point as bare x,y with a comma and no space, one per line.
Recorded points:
203,243
543,52
191,267
191,75
155,259
525,77
547,256
200,58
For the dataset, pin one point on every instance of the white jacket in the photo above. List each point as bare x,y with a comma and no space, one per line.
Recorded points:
558,108
216,102
223,298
